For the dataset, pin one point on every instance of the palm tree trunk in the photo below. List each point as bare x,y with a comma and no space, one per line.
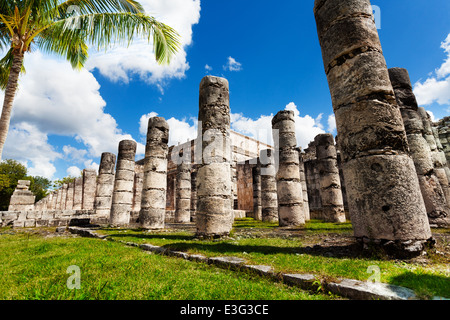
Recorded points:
10,93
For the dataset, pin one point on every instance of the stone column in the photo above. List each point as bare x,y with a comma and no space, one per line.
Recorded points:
69,197
304,188
441,165
183,193
214,194
154,189
78,193
137,189
289,188
58,199
122,198
329,180
64,196
420,149
89,187
256,177
105,185
193,194
269,198
54,196
384,197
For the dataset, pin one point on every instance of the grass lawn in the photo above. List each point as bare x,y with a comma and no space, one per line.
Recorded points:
33,266
295,253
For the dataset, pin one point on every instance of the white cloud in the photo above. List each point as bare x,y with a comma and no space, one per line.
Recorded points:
121,63
74,171
306,127
433,118
28,145
53,99
180,131
331,123
208,67
232,65
436,88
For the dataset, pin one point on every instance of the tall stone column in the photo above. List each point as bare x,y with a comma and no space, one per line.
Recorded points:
193,194
137,189
58,199
289,188
329,180
154,188
89,188
420,149
183,193
78,193
384,197
214,194
441,165
69,197
105,184
269,198
64,188
122,198
304,188
256,177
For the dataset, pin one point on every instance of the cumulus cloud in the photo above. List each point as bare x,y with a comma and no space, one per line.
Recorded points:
232,65
53,99
331,123
74,171
437,87
30,146
306,127
180,130
122,63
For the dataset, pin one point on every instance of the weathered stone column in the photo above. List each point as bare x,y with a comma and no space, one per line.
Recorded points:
105,184
304,188
183,193
420,149
329,180
256,177
289,188
214,195
58,199
89,187
137,188
69,197
269,198
122,198
78,193
64,188
54,196
154,189
384,197
441,165
193,193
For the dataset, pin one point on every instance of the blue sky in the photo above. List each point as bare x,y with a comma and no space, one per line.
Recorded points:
268,51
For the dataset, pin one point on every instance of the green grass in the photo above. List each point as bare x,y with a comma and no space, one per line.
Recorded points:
288,254
34,267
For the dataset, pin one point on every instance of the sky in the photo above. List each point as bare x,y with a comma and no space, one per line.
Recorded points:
63,120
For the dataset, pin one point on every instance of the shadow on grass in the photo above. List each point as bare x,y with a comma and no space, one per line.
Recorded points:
426,285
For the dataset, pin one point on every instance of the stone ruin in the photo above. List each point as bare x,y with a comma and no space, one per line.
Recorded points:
387,171
22,199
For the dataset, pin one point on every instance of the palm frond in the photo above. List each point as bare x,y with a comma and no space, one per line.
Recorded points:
99,6
105,29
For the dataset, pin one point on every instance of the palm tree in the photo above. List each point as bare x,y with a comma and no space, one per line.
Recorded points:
68,28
